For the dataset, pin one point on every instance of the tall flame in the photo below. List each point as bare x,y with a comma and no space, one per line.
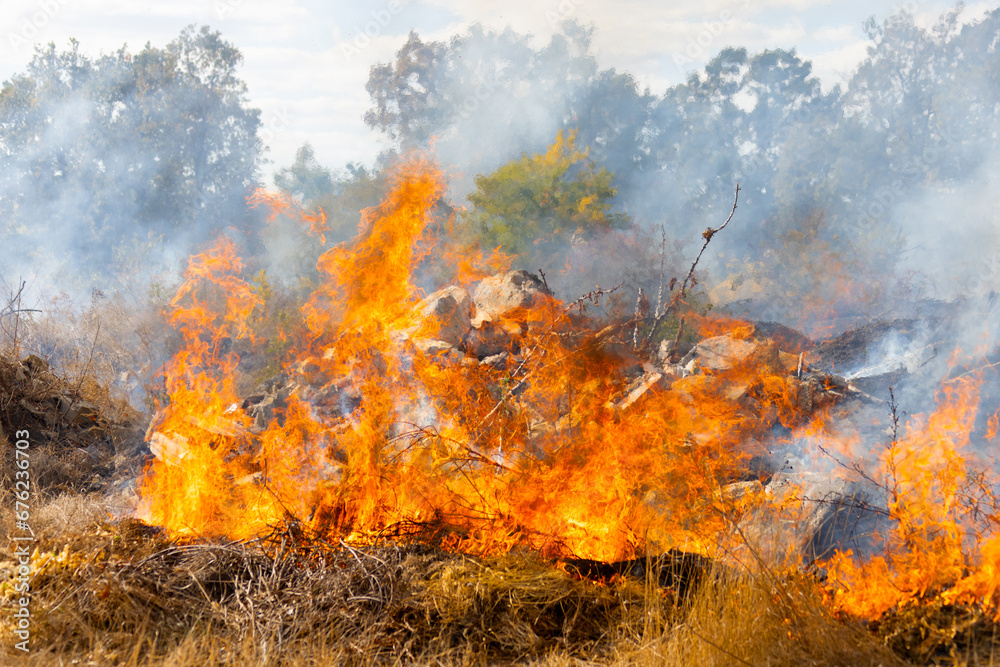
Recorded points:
944,539
201,437
554,447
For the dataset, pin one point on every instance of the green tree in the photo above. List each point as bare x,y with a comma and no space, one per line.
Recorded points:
306,178
341,195
539,202
727,124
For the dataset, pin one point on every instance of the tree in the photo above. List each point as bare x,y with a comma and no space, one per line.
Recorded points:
306,178
410,95
101,151
727,124
537,203
341,195
613,120
481,98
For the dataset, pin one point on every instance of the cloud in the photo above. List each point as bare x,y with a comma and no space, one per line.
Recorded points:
840,33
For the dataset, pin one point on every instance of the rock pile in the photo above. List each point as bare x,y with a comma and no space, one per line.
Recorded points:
80,438
488,327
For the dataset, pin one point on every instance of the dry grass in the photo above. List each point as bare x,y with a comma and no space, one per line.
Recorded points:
108,592
109,348
123,594
81,439
764,621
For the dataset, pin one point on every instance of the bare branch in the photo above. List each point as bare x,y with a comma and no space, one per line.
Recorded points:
678,296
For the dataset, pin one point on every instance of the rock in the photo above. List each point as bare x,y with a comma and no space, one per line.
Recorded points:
36,365
270,400
665,350
739,491
447,315
508,296
812,514
78,412
170,450
638,387
497,361
666,354
506,305
718,353
433,347
817,389
788,339
489,341
310,371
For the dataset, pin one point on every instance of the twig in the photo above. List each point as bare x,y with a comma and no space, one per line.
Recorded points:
86,369
432,432
851,502
853,466
663,274
9,309
893,444
674,356
707,235
639,314
17,320
594,296
679,295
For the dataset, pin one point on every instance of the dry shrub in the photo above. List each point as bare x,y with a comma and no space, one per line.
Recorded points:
83,434
123,594
54,470
761,620
932,632
80,438
71,514
111,347
515,607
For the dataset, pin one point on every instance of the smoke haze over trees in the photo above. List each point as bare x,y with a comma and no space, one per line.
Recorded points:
829,177
103,156
846,191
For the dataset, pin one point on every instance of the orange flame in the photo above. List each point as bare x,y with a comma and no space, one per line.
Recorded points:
555,453
200,430
942,543
277,203
553,447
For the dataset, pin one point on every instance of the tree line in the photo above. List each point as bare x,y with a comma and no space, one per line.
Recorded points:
159,148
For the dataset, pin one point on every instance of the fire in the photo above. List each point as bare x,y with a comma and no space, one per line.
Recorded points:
550,445
198,428
718,325
551,452
944,539
277,204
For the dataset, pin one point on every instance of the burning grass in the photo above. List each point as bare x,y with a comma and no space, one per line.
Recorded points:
495,478
124,594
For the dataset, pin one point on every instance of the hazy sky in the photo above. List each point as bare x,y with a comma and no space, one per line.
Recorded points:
306,61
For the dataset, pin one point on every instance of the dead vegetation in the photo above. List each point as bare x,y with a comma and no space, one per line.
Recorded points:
82,439
115,591
119,592
123,594
62,381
